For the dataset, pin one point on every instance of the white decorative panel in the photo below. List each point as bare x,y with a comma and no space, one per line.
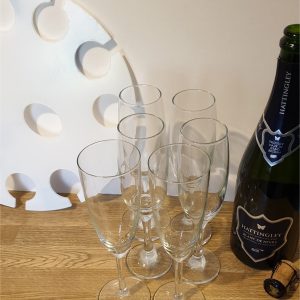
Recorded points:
60,72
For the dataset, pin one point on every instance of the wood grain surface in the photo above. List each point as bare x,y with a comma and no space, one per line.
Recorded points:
57,255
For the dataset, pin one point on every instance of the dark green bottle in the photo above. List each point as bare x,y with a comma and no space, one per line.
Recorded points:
265,223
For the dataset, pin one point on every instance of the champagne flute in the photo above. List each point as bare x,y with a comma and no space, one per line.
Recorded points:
190,104
179,176
211,136
141,98
110,175
146,132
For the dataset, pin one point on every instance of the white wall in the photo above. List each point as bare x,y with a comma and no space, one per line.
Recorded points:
226,46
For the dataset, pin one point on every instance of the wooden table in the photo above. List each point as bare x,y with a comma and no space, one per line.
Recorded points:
57,255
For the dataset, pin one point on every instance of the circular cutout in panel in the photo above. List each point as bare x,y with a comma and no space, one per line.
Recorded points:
51,21
42,120
64,182
7,15
20,182
93,60
105,110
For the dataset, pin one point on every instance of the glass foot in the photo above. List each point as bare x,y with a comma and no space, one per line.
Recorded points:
148,264
136,290
189,291
200,270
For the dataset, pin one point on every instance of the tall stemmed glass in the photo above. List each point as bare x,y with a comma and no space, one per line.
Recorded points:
142,98
211,136
190,104
146,132
179,176
110,175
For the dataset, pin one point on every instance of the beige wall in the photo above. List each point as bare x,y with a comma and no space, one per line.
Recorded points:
226,46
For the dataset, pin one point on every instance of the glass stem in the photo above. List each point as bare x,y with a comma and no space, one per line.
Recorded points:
198,252
148,244
178,281
122,283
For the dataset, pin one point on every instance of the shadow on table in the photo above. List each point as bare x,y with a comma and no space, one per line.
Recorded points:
23,196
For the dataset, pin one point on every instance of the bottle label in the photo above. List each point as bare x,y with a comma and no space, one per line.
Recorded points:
276,145
261,237
277,133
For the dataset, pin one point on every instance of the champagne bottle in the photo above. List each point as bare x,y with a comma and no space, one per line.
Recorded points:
265,223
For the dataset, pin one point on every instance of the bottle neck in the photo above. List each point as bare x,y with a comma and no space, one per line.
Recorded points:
289,44
289,56
277,133
281,112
